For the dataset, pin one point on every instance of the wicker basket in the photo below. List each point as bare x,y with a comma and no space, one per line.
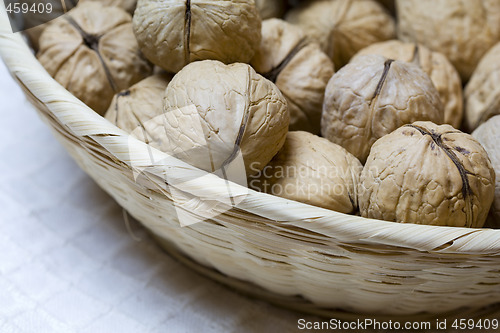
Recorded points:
293,254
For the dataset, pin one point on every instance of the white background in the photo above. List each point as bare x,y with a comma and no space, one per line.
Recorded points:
68,263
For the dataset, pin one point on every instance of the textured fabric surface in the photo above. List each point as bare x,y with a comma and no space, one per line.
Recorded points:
70,263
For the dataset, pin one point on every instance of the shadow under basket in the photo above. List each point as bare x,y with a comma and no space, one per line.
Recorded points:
302,257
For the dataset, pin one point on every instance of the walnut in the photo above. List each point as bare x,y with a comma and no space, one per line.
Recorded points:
270,8
427,174
174,33
140,103
92,52
442,73
489,136
300,70
373,96
39,20
343,27
463,30
212,110
312,170
482,93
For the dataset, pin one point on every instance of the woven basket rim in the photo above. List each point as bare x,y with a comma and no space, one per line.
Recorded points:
76,116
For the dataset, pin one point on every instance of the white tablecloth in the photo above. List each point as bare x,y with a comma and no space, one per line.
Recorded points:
69,264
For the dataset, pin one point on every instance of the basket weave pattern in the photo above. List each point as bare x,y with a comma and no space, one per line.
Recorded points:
305,257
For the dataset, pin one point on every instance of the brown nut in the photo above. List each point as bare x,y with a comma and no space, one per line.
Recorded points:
442,73
427,174
373,96
488,135
312,170
270,8
482,93
343,27
93,53
174,33
463,30
140,103
212,110
300,70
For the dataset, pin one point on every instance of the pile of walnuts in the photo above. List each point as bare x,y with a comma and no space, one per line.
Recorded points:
357,106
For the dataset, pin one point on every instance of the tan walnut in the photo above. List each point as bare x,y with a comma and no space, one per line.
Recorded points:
488,135
93,53
140,103
463,30
271,8
343,27
212,111
41,20
299,68
442,73
424,173
482,93
174,33
373,96
312,170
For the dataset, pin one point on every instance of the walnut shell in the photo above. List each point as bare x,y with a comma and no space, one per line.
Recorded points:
140,103
343,27
463,30
312,170
489,136
427,174
212,109
482,93
270,8
41,20
174,33
373,96
442,73
92,52
300,70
